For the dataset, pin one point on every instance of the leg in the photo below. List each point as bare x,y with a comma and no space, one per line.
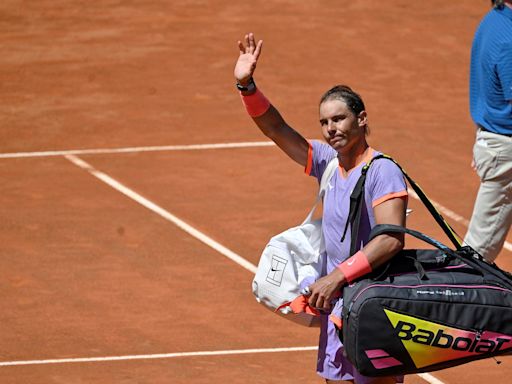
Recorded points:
492,213
491,220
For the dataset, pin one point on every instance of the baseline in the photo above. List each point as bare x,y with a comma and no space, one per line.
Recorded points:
155,356
96,151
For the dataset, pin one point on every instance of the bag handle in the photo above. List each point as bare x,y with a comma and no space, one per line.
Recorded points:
387,228
466,254
356,199
324,181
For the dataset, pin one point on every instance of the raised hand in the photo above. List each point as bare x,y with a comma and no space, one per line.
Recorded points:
248,58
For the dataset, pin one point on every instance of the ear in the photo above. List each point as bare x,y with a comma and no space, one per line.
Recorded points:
362,119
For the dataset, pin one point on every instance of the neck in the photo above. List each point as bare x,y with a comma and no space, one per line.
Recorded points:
353,156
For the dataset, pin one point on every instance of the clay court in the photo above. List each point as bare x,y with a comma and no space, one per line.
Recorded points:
137,195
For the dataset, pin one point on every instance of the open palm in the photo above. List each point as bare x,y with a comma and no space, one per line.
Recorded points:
249,54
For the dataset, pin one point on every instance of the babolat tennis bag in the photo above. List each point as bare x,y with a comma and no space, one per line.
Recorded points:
426,309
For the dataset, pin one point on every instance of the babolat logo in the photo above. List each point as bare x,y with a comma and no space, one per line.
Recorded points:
430,343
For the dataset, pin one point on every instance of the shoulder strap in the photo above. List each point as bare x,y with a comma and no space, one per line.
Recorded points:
324,181
357,197
356,207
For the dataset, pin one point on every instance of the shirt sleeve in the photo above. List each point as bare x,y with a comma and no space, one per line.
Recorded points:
504,68
385,181
319,156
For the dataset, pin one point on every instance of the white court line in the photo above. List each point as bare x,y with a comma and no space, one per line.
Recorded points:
430,379
163,213
137,149
156,356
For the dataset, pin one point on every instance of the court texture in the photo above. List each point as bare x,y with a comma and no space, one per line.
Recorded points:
137,195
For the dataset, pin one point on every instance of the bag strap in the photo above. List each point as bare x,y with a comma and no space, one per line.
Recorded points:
466,254
357,197
391,228
356,207
324,181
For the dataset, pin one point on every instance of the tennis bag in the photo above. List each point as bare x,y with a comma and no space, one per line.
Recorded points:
426,309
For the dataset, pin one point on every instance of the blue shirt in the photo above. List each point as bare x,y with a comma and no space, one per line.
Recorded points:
490,87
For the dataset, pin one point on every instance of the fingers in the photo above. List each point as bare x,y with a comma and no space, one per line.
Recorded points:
250,46
257,51
320,303
247,43
241,47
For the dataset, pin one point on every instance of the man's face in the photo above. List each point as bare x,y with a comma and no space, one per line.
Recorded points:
341,129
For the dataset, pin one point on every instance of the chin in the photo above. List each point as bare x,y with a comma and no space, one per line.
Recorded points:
338,146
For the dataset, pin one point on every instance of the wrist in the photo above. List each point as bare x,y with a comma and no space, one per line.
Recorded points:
246,86
255,103
338,276
355,267
243,82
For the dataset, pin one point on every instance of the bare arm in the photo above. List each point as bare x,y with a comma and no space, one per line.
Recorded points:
379,250
271,123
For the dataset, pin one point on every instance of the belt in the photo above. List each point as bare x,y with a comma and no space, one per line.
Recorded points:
502,134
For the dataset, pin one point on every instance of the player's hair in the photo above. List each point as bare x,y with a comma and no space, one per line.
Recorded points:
498,3
348,96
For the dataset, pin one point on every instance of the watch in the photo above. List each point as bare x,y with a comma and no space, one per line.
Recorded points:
250,87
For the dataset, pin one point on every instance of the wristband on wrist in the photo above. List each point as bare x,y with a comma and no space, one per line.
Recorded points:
355,266
250,87
256,103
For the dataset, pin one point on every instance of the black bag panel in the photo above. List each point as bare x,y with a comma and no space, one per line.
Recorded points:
455,296
376,348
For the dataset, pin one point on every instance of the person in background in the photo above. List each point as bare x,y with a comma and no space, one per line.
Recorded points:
344,126
490,94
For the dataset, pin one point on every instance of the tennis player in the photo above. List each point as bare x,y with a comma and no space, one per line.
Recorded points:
344,126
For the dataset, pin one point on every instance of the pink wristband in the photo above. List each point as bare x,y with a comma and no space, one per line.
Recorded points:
256,104
355,266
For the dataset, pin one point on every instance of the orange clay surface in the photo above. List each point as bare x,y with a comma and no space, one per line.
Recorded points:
87,272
